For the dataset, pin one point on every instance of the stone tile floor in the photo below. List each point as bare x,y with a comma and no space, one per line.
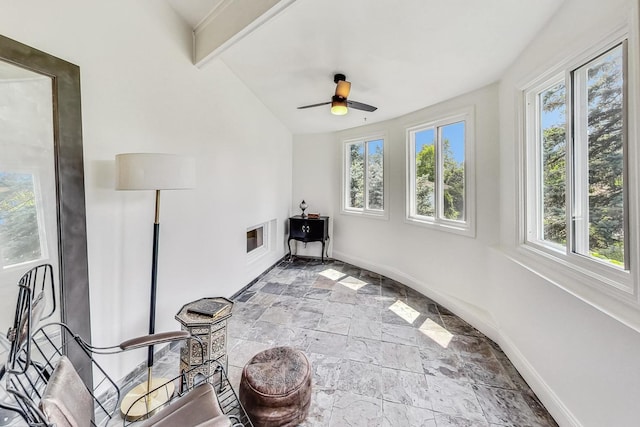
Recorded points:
382,354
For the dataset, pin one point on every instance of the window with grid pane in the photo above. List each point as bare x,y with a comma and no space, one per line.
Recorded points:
575,164
364,176
438,173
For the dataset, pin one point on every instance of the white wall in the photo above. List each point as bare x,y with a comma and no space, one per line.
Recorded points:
574,353
423,258
582,363
141,93
317,177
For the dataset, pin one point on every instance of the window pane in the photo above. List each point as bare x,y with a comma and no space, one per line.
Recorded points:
375,174
452,137
19,232
425,157
356,176
255,239
605,157
552,109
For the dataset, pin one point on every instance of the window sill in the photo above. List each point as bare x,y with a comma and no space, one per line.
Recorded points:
383,215
617,283
619,301
463,229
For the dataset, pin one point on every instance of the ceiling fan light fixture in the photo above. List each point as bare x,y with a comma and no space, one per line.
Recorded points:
338,106
340,101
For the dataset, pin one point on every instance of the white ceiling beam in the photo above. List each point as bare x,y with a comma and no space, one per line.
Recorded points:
229,22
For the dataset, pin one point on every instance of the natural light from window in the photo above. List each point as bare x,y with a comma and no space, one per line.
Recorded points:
436,332
404,311
332,274
352,283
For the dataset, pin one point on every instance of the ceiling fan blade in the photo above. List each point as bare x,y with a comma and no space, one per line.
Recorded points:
343,88
361,106
314,105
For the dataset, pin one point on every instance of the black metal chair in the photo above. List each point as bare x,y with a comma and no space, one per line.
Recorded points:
47,390
30,307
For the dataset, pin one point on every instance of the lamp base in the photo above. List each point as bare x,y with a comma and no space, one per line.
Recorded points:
135,406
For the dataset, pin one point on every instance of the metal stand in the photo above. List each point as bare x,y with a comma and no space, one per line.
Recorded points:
153,400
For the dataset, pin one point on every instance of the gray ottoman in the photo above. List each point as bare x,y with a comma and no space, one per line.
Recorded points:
275,388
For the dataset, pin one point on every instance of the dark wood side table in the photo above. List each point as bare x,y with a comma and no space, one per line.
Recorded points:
309,230
212,330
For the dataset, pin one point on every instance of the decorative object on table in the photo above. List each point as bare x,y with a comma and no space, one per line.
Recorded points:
275,387
303,206
211,330
309,230
210,307
153,171
313,216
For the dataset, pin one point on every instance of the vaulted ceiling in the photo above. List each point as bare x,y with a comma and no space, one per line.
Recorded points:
399,55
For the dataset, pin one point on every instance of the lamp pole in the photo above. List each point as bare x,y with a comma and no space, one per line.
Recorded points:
152,171
154,280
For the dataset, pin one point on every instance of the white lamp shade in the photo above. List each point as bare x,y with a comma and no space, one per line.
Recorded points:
155,171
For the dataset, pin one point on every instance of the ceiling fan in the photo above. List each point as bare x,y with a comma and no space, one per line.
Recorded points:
339,101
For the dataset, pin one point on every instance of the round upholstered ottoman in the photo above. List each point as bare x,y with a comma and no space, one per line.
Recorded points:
275,388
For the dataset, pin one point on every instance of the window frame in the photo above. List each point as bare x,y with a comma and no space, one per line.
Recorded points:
602,279
465,227
346,178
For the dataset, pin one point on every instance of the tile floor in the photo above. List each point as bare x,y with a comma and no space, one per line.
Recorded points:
382,354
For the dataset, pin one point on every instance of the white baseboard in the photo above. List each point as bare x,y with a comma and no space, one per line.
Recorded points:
551,401
474,315
482,321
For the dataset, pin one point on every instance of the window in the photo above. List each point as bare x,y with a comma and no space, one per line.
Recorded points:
364,179
439,172
576,177
255,238
261,240
21,230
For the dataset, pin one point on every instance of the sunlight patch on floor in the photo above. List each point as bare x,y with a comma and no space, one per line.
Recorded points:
332,274
436,332
352,283
404,311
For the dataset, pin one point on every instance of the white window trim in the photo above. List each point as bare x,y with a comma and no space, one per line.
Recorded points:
467,227
611,290
371,213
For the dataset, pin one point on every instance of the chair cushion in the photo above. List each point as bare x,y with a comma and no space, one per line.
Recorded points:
66,401
199,407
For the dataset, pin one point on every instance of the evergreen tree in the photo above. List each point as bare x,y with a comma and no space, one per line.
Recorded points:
376,178
605,161
356,174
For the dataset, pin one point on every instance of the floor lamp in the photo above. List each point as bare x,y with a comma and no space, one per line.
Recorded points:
152,171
